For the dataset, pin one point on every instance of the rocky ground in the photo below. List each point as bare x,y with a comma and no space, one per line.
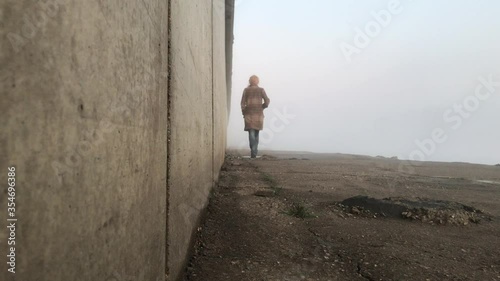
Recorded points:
292,217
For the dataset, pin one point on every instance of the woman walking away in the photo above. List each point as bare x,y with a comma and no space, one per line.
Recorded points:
253,103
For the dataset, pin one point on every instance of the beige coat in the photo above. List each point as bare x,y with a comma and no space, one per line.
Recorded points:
253,103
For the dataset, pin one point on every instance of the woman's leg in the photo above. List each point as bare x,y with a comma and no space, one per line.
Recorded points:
256,150
252,139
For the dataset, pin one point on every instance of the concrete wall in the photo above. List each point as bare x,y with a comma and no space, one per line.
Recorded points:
230,10
91,125
199,117
220,90
191,168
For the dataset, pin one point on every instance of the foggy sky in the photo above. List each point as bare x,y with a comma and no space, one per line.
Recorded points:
415,80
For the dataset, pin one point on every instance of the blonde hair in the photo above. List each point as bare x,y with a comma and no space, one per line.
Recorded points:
254,80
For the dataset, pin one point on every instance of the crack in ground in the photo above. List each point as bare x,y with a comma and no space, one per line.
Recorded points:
360,271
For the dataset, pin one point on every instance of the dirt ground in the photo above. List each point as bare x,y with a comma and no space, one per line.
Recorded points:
250,231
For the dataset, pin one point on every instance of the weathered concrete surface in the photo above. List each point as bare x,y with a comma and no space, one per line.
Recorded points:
199,118
113,168
220,110
230,9
84,112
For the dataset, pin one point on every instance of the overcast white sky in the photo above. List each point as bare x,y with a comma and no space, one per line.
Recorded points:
394,92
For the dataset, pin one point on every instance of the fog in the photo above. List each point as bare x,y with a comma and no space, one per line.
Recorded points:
414,79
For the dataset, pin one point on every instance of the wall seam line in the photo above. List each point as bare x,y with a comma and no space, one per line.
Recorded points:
213,102
169,132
